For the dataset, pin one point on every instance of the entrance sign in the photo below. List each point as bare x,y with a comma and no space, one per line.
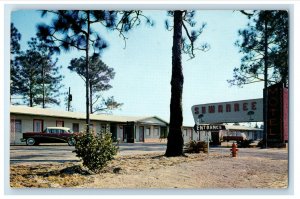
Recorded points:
229,112
209,127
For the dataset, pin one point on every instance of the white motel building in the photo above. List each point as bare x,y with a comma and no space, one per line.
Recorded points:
129,129
123,128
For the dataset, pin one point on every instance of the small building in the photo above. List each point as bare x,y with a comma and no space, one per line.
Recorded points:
215,137
251,133
123,128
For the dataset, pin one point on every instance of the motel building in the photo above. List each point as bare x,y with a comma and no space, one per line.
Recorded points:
126,129
123,128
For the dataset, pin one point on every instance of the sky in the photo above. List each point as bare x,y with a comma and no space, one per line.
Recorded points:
143,68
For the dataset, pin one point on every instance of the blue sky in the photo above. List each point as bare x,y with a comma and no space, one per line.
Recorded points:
143,68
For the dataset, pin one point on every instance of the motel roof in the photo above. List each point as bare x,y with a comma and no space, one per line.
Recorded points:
241,128
49,112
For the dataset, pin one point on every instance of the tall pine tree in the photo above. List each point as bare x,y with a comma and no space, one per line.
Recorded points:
264,44
100,75
15,38
77,29
35,76
181,44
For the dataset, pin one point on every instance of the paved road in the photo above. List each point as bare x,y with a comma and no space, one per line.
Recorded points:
62,152
47,153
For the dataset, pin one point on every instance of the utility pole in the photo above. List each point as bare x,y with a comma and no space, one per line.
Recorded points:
69,98
43,79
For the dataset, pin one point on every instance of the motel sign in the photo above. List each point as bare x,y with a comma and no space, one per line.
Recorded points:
229,112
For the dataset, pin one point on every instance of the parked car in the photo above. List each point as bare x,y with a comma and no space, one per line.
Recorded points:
50,135
237,137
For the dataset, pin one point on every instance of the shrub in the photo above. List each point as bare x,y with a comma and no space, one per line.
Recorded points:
95,150
262,143
244,143
195,147
190,147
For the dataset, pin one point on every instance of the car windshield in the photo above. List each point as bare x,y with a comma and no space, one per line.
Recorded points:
70,131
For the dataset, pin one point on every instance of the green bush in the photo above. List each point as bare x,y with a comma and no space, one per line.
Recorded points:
262,143
190,147
95,150
244,143
195,147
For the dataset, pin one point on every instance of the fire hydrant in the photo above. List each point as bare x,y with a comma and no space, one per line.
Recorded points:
234,150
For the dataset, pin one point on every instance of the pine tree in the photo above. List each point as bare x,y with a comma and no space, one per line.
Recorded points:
15,38
100,75
265,47
75,29
264,44
187,46
36,77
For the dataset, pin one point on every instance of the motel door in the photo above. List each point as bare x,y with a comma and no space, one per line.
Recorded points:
215,138
129,133
141,134
113,130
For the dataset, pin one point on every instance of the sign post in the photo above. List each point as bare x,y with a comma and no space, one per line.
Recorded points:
207,143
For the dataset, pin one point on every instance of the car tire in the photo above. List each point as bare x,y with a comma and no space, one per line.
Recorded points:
71,142
30,142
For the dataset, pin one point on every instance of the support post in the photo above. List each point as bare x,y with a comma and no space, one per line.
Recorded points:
69,99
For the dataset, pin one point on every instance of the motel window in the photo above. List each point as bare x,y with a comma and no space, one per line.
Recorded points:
60,123
156,131
103,128
185,132
148,131
37,125
91,126
120,134
75,127
18,126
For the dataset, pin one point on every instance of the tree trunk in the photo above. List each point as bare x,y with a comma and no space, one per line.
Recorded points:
43,79
87,81
30,96
91,99
175,139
